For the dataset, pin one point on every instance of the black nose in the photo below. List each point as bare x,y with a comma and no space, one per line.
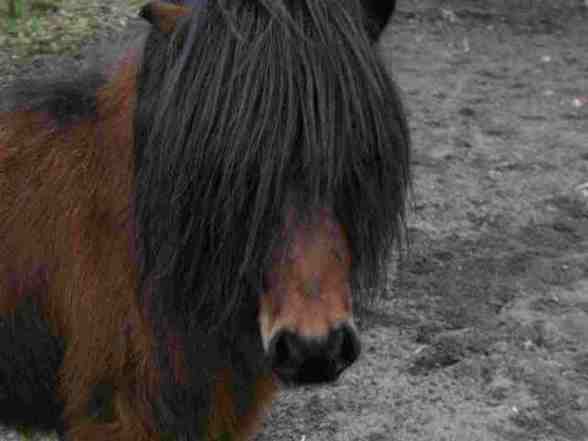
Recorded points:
306,360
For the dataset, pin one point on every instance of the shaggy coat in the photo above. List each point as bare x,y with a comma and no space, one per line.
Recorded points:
143,210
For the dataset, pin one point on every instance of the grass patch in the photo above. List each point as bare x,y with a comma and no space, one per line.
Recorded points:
60,26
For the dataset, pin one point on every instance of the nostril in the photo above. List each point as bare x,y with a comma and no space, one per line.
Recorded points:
284,353
281,351
352,345
335,344
349,347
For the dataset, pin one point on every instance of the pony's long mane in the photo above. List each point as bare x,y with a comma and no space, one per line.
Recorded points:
252,106
251,118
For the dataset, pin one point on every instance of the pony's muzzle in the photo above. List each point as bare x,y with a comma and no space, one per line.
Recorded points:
298,360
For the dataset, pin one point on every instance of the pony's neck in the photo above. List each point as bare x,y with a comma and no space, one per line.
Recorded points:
120,90
116,102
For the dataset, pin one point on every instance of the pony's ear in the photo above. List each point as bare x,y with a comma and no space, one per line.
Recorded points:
163,16
378,13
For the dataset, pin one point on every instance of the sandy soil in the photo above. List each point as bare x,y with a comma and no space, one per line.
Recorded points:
483,334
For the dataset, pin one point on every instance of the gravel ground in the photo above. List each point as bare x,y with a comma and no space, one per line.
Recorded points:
75,34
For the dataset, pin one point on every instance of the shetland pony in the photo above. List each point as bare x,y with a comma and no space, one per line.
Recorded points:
184,232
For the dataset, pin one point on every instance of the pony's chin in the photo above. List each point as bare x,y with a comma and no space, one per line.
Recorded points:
286,380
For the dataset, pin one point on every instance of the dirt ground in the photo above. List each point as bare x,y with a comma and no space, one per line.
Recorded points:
483,334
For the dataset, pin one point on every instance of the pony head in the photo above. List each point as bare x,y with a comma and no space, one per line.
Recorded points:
271,156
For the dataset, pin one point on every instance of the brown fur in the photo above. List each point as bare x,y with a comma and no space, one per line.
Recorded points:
164,15
63,177
223,419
